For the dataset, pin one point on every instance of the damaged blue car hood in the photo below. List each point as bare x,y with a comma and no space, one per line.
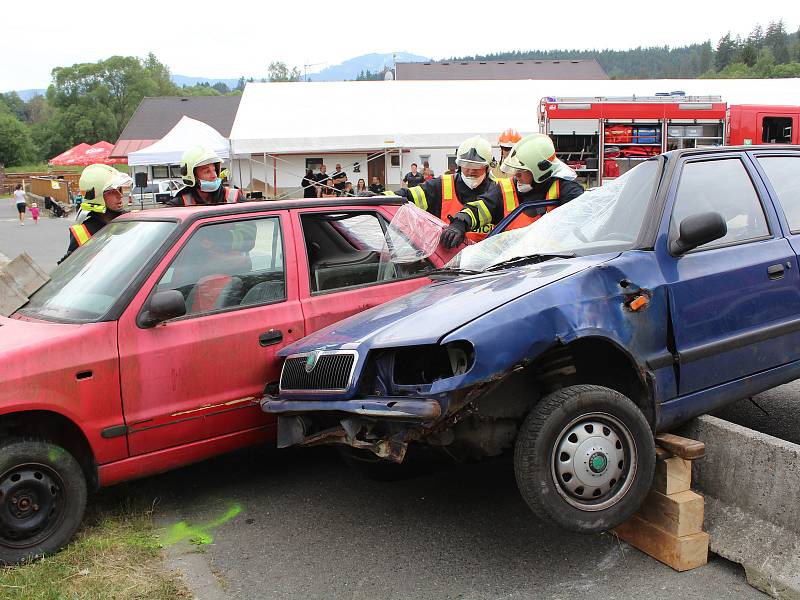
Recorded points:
430,313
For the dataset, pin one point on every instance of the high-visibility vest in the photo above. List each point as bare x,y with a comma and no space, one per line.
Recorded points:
451,206
511,201
231,195
81,233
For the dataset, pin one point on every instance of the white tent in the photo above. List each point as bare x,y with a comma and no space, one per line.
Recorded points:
284,118
186,133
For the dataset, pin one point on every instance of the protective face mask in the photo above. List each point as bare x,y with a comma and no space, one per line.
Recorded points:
524,188
473,182
210,186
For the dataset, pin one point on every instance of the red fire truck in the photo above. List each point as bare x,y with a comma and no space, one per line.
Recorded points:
602,138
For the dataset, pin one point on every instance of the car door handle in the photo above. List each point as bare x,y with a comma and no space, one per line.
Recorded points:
775,271
273,336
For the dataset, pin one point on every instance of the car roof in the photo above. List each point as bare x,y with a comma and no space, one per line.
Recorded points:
732,149
192,213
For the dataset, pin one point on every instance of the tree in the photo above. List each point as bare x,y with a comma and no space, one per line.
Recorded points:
16,146
776,40
278,71
749,54
221,87
725,51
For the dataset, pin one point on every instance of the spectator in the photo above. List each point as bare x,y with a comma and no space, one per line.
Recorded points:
425,165
413,178
376,187
361,186
427,173
35,213
348,189
339,179
323,180
309,191
19,197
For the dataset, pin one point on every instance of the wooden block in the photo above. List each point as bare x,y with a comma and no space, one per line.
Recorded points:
681,446
672,475
680,553
680,514
662,454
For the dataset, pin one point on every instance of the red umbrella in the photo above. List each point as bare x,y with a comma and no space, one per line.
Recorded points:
84,154
68,156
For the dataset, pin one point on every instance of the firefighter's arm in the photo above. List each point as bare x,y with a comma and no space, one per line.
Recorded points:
426,196
568,191
486,209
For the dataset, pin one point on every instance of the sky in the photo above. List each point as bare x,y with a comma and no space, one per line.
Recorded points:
236,38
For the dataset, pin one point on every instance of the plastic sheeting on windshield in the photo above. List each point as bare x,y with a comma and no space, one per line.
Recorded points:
412,235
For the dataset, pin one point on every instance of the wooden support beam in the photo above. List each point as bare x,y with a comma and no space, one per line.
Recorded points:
672,475
680,553
681,446
680,514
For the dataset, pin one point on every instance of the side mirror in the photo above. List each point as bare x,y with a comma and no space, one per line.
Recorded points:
698,230
164,305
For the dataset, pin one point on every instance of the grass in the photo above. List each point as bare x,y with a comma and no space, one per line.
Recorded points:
115,554
39,168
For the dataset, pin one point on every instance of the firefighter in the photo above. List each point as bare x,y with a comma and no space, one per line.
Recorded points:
200,171
101,186
506,141
537,176
446,196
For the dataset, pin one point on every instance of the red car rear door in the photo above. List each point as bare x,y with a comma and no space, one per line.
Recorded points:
198,376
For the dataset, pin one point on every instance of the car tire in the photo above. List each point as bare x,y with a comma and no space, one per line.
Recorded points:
42,499
584,458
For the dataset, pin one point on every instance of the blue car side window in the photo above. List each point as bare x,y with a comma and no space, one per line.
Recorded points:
783,174
721,186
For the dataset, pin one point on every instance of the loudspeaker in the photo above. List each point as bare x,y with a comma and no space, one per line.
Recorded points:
141,180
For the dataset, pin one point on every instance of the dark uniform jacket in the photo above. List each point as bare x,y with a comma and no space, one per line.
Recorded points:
431,199
492,202
93,223
188,196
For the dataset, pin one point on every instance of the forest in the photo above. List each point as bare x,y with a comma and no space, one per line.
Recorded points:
90,102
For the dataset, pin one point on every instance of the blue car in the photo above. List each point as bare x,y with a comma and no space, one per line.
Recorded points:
662,295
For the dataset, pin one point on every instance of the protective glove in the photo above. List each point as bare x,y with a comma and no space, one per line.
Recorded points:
454,234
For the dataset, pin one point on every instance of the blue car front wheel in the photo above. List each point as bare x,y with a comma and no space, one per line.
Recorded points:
584,458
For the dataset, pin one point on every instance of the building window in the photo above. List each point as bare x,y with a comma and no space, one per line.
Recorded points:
313,163
175,171
451,163
161,172
394,160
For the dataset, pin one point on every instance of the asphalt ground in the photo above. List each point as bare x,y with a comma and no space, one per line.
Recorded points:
263,523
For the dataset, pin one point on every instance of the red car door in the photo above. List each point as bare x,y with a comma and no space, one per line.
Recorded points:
340,270
198,376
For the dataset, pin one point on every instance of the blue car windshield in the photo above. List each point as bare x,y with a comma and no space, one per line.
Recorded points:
85,286
604,219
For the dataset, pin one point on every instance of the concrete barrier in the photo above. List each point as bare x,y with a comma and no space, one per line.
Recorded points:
751,482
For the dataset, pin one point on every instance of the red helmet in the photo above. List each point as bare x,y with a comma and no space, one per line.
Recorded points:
508,138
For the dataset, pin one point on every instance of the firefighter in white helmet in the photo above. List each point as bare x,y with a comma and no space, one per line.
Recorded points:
201,175
102,189
537,176
446,196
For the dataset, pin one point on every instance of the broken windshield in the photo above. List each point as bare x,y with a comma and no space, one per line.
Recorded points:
604,219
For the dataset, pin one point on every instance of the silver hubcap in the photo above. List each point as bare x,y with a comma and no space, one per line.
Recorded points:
594,461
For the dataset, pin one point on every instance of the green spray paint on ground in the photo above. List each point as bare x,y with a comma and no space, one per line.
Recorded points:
197,534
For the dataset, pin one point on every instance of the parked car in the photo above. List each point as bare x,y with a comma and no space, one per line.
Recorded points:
662,295
152,343
156,191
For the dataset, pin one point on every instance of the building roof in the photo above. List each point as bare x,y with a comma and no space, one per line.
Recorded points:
380,115
154,117
501,69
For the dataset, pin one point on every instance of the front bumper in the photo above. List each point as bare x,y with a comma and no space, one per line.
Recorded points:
417,409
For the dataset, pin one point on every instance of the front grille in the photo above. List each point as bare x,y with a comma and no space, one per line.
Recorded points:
332,371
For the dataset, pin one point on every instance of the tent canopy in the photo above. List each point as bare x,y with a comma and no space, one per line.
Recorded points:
187,132
284,118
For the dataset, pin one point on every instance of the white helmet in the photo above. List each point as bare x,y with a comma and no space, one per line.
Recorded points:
474,152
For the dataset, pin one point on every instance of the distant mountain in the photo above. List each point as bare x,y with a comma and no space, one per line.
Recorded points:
26,95
350,69
183,80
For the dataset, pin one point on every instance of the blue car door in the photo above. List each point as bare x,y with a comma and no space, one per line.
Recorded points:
734,302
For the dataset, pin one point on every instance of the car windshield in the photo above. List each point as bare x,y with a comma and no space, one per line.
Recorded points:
604,219
85,286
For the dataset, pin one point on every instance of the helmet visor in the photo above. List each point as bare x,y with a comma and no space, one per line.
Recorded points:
119,180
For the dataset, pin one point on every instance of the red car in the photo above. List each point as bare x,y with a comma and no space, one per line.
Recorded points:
150,345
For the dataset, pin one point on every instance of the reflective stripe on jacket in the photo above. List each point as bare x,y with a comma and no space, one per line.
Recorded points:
80,233
231,195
